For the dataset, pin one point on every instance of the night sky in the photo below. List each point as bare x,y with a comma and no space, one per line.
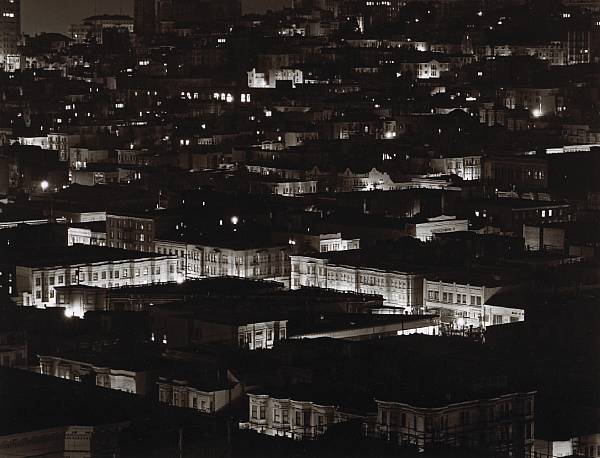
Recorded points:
56,15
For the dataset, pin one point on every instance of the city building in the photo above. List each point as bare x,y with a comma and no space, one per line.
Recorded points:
243,259
13,348
179,325
294,417
38,277
424,69
131,232
191,389
154,17
92,28
466,167
510,214
91,233
427,229
128,376
369,326
307,242
352,270
465,301
503,424
10,29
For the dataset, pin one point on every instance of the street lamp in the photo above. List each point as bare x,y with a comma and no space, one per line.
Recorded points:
44,185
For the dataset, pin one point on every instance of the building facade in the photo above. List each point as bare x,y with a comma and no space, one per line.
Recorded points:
466,167
187,394
36,285
463,306
130,232
10,29
401,289
128,380
92,28
203,261
503,424
426,230
13,349
293,419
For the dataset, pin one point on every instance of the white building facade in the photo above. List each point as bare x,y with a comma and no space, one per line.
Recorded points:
35,286
130,381
462,306
399,289
183,393
202,261
426,230
290,418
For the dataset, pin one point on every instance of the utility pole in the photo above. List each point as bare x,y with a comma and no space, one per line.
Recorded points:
180,443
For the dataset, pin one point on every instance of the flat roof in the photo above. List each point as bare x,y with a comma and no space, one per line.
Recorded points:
518,203
503,276
76,254
33,402
377,259
346,321
119,358
207,285
239,240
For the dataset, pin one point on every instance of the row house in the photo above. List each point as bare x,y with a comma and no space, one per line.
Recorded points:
194,393
128,379
294,419
503,424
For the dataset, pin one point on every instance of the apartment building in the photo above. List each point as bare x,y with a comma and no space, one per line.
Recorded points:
400,285
465,300
287,416
37,279
503,424
246,259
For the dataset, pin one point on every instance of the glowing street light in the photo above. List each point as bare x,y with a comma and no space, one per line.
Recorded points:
234,220
44,185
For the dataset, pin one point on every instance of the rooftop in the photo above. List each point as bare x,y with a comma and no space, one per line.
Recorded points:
76,254
32,402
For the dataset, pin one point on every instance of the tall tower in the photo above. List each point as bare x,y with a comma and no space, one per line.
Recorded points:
10,28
